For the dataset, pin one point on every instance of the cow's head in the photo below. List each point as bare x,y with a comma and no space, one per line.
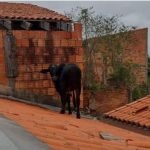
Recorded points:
52,69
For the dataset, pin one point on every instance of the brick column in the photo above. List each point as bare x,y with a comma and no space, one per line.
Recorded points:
78,30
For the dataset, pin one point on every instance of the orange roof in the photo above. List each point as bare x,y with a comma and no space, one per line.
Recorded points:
28,11
65,132
137,113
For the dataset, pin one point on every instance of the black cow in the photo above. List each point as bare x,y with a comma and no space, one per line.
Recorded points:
67,81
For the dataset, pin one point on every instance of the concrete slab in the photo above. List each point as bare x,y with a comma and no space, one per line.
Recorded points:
14,137
108,136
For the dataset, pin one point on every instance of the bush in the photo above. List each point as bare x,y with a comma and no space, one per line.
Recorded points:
139,92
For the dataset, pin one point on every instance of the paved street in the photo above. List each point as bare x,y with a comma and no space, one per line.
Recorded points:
13,137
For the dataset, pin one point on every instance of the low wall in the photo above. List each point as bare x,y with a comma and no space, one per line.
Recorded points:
105,100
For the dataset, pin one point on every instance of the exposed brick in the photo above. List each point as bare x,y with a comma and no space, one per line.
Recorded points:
31,68
64,43
17,85
74,35
32,34
45,66
44,91
81,51
51,91
41,42
136,52
25,43
72,58
41,76
31,85
1,43
39,84
35,76
40,60
3,80
22,85
17,34
78,27
38,67
22,68
33,42
79,58
36,50
53,35
81,66
1,35
46,83
19,78
71,43
56,60
43,35
27,76
18,42
78,43
60,51
59,35
25,34
65,35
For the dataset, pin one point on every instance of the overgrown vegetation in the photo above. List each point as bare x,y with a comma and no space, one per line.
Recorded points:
107,37
142,90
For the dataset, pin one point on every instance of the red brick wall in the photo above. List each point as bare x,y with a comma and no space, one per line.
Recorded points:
36,50
3,77
107,100
136,53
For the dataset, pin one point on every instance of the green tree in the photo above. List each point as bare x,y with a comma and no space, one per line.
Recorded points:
107,36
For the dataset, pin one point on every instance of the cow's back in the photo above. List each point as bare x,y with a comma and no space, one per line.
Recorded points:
71,76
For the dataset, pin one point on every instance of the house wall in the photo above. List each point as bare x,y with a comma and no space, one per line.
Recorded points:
3,77
135,52
36,50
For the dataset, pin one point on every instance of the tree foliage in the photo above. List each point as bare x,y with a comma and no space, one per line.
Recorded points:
107,36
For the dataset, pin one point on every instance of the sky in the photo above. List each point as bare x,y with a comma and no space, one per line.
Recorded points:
134,13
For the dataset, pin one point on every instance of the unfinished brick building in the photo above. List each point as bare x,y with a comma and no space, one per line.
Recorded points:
32,38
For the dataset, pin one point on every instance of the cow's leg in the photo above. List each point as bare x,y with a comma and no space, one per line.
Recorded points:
78,103
68,100
74,101
63,102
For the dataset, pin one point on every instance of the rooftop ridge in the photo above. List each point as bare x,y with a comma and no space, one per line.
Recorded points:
19,10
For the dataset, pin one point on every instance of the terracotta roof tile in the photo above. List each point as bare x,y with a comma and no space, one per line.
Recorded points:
65,132
28,11
137,112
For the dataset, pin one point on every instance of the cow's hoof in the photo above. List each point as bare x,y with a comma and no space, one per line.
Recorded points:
62,112
78,117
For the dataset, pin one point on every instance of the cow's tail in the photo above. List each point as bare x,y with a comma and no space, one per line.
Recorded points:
74,100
